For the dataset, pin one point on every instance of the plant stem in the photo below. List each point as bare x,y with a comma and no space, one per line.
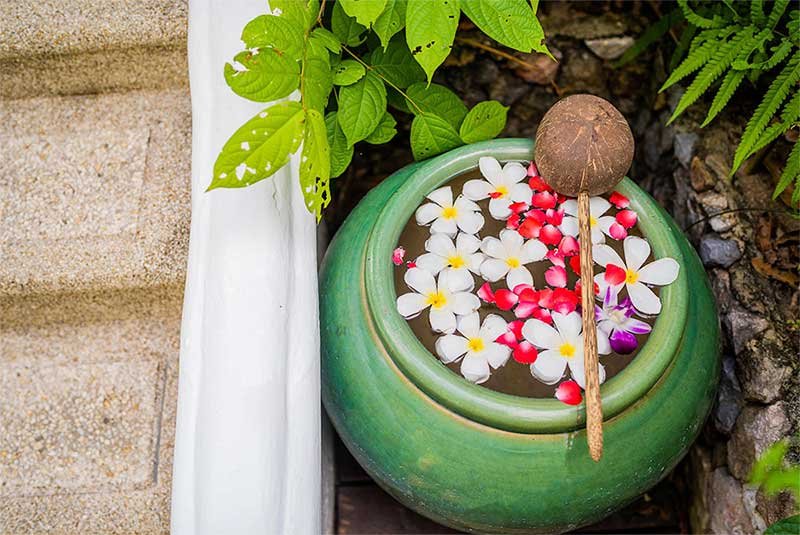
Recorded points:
497,52
385,80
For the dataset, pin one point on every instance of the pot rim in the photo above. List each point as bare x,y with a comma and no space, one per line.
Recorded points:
496,409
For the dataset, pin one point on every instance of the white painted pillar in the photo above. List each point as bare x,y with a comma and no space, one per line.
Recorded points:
247,452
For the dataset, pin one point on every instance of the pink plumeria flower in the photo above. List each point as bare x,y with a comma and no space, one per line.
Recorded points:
448,217
503,185
633,274
477,345
507,257
561,347
600,224
446,299
456,259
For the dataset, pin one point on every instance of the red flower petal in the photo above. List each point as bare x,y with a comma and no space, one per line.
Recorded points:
515,327
546,298
614,274
627,218
519,288
525,353
554,217
550,235
495,194
555,257
525,309
543,314
529,228
544,199
411,264
569,392
507,339
564,301
617,231
513,221
505,299
485,293
575,264
556,276
619,200
569,246
533,170
518,207
397,256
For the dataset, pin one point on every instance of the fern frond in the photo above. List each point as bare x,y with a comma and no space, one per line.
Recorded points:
696,59
776,94
779,53
777,12
791,111
770,134
789,115
757,16
729,86
683,44
719,62
791,173
693,18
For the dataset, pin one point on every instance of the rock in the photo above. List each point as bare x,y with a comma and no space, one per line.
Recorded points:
713,202
742,326
701,468
728,515
700,175
507,88
729,398
762,378
714,251
609,47
723,223
721,286
683,146
717,163
775,508
756,429
542,71
582,72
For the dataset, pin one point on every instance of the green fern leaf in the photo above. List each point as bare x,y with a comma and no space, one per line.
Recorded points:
757,16
776,94
775,15
696,59
719,62
729,86
779,53
684,43
791,111
791,173
695,19
789,115
770,134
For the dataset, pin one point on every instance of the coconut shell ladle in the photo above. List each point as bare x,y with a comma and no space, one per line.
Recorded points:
584,147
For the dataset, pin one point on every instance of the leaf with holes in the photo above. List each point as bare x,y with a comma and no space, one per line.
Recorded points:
391,21
346,28
385,130
348,72
361,107
509,22
317,77
302,12
396,64
438,100
366,12
430,30
315,164
485,121
326,39
341,151
281,33
432,135
264,77
260,147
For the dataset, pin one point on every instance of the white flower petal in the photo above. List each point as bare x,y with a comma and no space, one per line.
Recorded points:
493,247
490,169
477,189
636,252
497,354
512,242
411,304
427,213
569,326
603,343
442,320
462,203
517,276
465,303
661,272
533,251
470,325
442,196
598,206
549,367
643,298
456,280
467,243
570,207
521,192
604,255
541,334
450,347
475,368
493,269
474,262
493,326
597,234
605,223
430,262
578,372
514,172
444,226
499,208
569,225
441,244
469,222
420,280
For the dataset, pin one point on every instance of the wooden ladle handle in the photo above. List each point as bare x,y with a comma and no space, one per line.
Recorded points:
594,409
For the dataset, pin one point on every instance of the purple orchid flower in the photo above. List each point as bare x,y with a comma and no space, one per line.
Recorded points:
615,321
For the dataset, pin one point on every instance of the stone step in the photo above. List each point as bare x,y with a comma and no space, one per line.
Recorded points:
91,46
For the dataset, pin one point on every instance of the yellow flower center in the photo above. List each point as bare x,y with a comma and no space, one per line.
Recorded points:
476,344
567,350
513,262
501,192
436,299
456,261
592,221
449,212
631,276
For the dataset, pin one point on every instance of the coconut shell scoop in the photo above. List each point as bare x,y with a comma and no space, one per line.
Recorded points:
584,147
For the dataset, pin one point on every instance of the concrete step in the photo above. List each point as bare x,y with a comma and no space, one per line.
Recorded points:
52,47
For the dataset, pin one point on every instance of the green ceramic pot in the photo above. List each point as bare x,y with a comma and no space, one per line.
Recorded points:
479,460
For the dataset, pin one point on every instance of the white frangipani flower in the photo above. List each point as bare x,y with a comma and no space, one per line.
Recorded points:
562,347
448,217
600,224
503,185
445,299
477,345
507,256
456,260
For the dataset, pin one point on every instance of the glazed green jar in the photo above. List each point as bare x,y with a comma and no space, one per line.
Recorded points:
476,459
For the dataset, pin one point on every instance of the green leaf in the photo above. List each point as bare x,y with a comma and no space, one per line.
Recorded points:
366,12
341,151
396,100
726,90
782,480
346,28
391,21
778,8
438,100
787,526
317,77
770,460
757,12
698,56
694,18
485,121
259,147
430,30
302,12
315,164
267,76
348,72
361,107
509,22
652,34
327,39
385,130
432,135
791,172
281,33
683,45
396,64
